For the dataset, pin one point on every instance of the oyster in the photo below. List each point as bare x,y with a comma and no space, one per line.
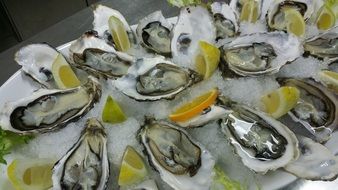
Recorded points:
36,61
193,25
276,18
323,46
225,20
154,79
262,53
154,33
85,165
181,162
262,142
315,162
100,23
48,110
317,109
94,55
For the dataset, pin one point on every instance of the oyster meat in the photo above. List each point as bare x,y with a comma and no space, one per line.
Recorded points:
317,109
47,110
36,61
225,20
276,16
154,31
94,55
262,143
181,162
324,46
263,53
85,165
315,162
155,78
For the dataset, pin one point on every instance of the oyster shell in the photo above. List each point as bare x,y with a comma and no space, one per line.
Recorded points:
100,24
262,53
193,25
85,165
315,162
276,17
154,31
154,79
181,162
323,46
47,110
94,55
262,142
317,109
225,20
36,61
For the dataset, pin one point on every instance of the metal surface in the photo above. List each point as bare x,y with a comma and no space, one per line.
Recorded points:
72,27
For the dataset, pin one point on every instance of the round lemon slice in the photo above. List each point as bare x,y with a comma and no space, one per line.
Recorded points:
119,34
294,22
280,101
326,18
112,112
63,74
207,60
249,11
195,107
329,79
132,169
31,174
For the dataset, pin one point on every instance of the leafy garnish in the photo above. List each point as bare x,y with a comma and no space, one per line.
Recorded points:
222,181
183,3
10,140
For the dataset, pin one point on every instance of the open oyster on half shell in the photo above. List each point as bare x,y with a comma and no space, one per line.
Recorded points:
100,24
276,16
155,78
48,110
182,163
317,109
316,162
323,46
36,61
85,165
261,53
262,143
194,24
93,55
225,20
154,31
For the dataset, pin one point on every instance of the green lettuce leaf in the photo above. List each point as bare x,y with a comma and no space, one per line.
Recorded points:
10,140
222,182
183,3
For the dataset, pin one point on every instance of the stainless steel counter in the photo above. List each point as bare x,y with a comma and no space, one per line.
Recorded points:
72,27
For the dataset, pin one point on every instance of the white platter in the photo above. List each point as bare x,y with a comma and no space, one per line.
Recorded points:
19,85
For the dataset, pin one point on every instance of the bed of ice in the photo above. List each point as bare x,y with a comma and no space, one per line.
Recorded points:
247,90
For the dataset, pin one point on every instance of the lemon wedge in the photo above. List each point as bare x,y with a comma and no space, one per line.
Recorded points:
207,60
195,107
294,22
119,34
63,74
249,11
329,79
326,18
280,101
30,174
112,113
132,168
